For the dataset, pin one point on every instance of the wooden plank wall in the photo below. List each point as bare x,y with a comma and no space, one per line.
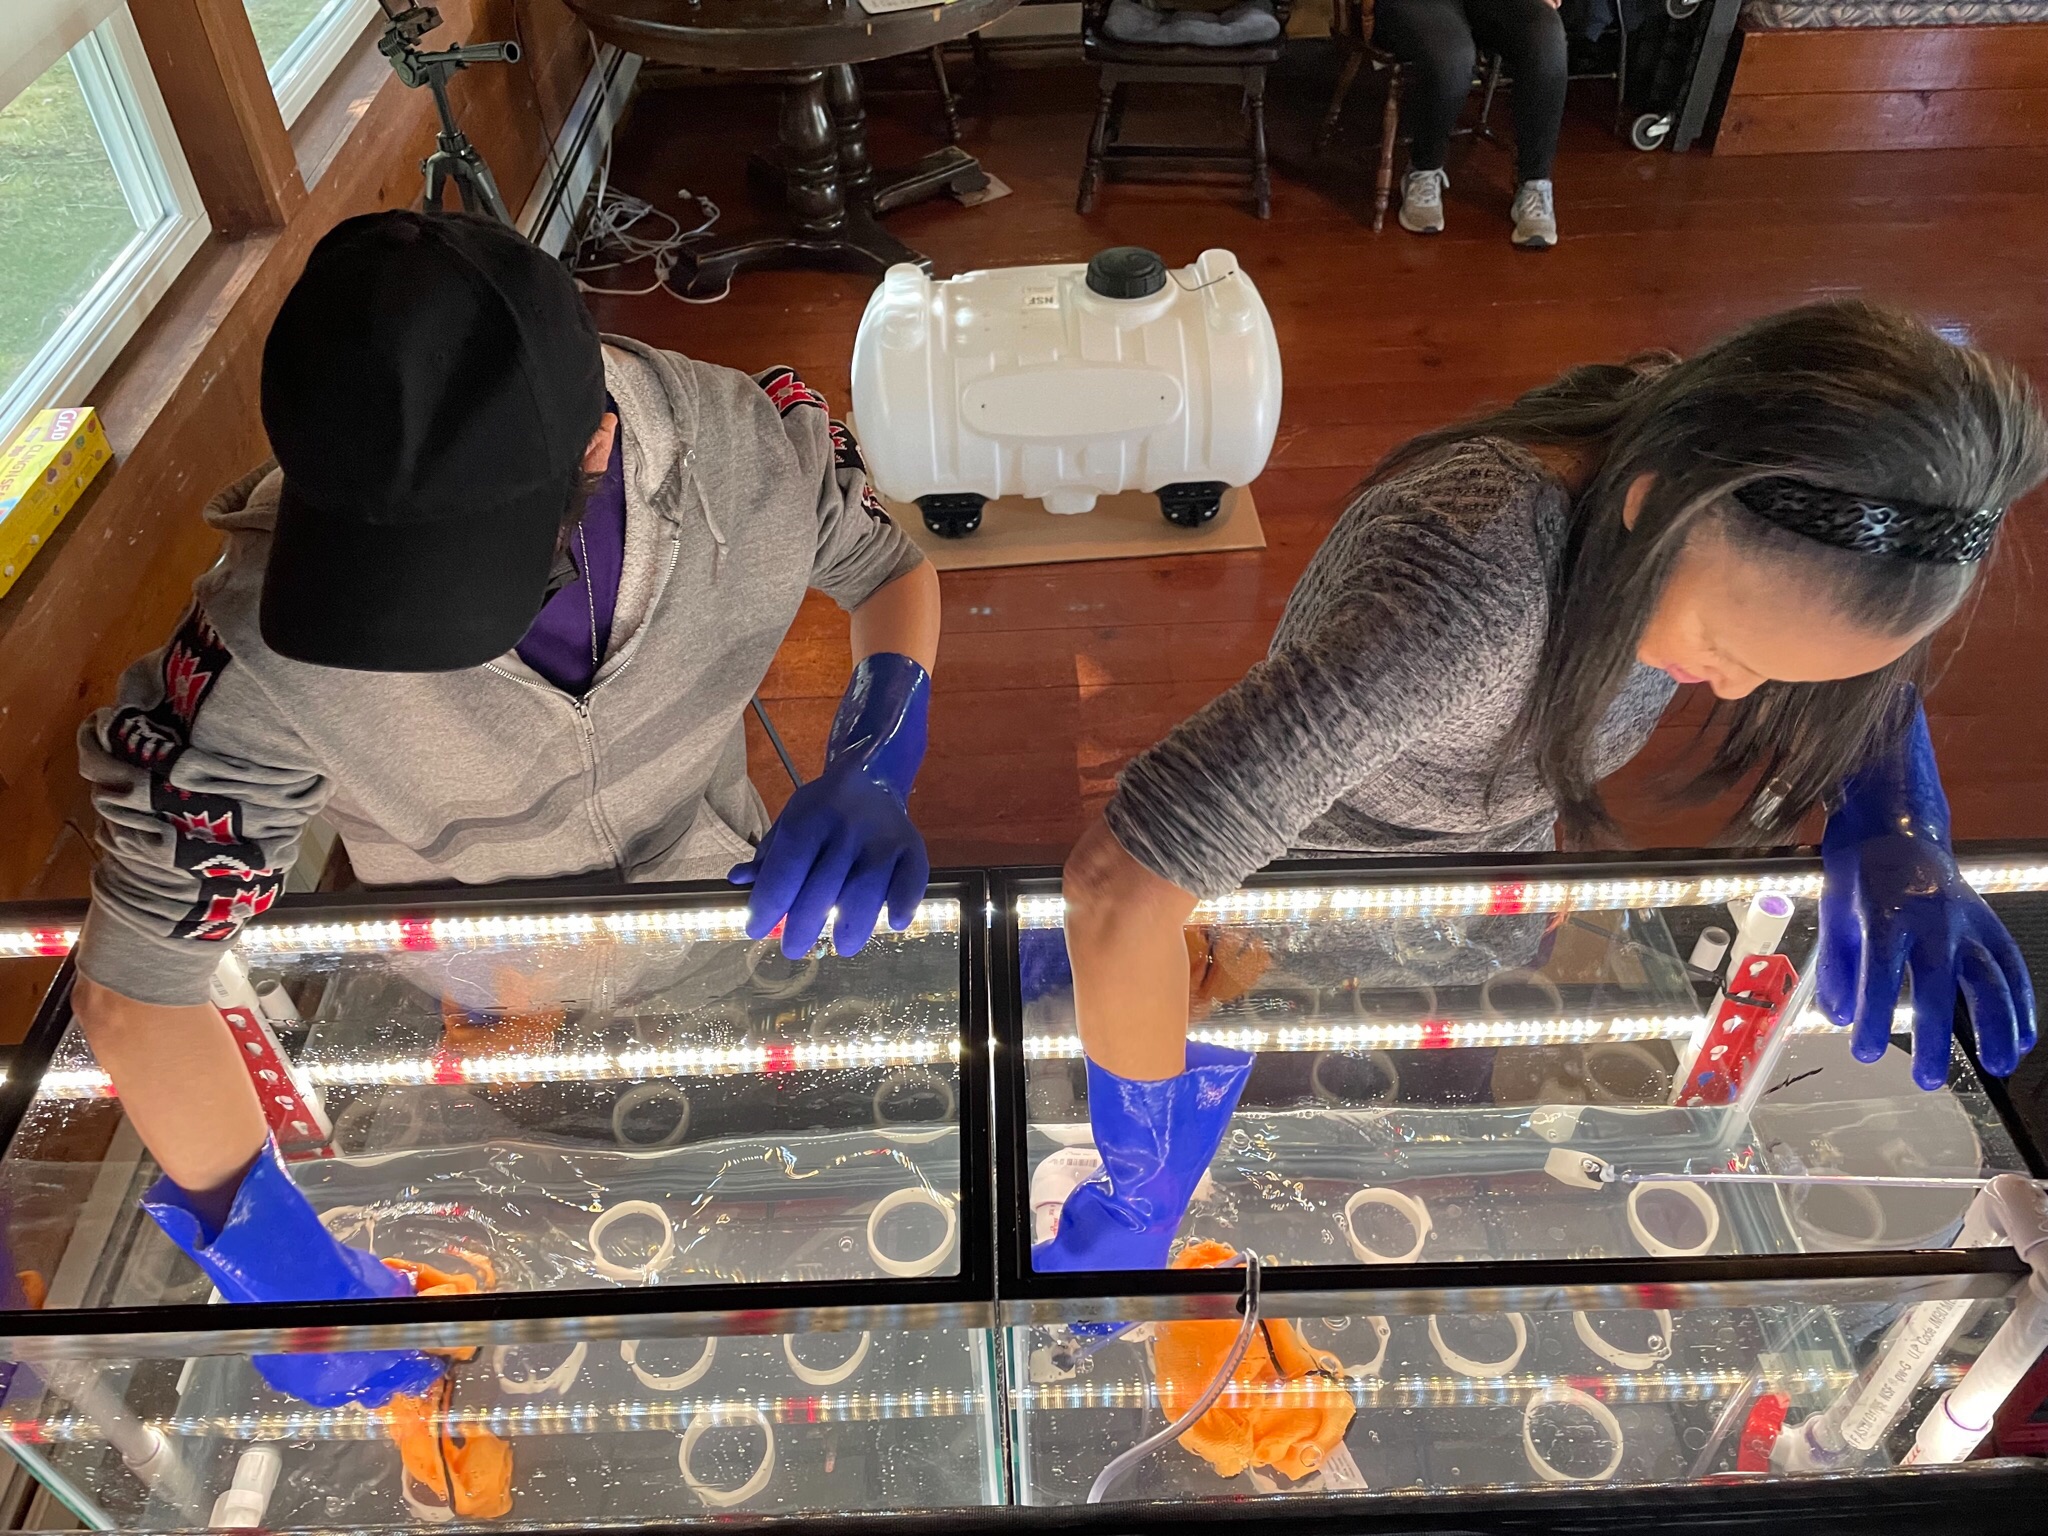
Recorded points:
1853,88
180,406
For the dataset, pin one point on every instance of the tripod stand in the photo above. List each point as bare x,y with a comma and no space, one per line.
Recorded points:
455,160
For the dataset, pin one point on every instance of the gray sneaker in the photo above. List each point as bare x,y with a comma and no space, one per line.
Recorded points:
1535,215
1422,202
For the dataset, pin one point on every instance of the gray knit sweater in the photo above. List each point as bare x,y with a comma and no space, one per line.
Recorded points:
1397,671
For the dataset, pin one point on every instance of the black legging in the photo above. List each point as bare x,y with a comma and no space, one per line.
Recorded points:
1442,38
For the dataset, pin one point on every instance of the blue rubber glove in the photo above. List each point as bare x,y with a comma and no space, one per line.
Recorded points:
845,838
1894,902
1157,1139
273,1248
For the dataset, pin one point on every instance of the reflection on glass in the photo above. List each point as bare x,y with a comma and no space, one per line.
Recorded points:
651,1429
1453,1074
1464,1400
649,1098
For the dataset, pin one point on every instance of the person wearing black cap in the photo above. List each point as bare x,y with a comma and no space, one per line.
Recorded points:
496,612
1499,620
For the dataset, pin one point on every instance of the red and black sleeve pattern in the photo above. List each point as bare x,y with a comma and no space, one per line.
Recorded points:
235,881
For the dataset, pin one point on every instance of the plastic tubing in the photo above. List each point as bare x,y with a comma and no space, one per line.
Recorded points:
1863,1415
1107,1478
1960,1420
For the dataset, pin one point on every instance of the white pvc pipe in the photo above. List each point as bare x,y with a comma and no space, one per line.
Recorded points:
1952,1430
1863,1415
1761,928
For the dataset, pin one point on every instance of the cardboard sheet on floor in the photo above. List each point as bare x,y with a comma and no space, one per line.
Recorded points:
1015,531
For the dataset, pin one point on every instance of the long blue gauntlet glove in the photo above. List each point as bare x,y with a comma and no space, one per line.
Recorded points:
274,1248
845,838
1156,1139
1894,902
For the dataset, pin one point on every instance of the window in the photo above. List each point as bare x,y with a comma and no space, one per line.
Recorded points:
303,40
97,216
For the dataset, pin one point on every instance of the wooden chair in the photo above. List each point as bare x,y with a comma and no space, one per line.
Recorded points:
1121,64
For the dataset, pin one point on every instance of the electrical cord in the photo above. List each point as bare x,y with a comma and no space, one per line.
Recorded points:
1114,1472
614,236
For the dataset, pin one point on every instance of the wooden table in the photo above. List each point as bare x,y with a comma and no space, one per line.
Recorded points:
832,195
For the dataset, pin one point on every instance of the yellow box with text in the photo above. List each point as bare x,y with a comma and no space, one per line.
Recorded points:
43,472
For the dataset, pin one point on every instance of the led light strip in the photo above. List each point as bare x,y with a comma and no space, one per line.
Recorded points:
579,1067
673,1413
431,933
671,924
1507,897
1448,1391
919,1051
534,1419
1435,1034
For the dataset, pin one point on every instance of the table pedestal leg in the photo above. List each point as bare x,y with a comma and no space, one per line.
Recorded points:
820,170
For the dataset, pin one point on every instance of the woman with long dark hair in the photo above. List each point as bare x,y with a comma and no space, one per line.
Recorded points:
1497,622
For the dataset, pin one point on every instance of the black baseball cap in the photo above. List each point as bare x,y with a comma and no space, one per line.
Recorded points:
429,388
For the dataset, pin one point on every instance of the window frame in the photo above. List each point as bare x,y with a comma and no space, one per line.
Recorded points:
316,53
127,109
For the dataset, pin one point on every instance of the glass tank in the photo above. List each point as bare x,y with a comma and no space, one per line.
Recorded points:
1523,1067
723,1236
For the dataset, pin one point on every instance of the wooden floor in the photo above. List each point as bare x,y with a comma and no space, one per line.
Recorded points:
1050,678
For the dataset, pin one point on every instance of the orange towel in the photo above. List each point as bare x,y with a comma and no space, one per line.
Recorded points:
468,1470
1284,1409
429,1281
517,1024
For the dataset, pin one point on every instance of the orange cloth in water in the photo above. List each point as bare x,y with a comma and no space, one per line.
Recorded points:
1281,1410
520,1022
470,1471
429,1281
1223,966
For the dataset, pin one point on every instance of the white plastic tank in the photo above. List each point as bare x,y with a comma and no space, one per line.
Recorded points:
1066,383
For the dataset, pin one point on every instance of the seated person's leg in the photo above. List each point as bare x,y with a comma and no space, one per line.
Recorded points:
1434,37
1529,37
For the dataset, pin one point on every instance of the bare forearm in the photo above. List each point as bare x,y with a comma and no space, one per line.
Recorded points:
181,1083
1130,961
901,617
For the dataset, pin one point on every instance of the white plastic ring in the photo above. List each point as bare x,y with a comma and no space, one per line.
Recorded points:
1357,994
557,1381
831,1376
629,1351
650,1093
1410,1207
1456,1362
727,1413
913,1130
619,1212
1693,1195
435,1513
1327,1095
1521,976
911,1194
1655,1081
758,956
1628,1359
1862,1200
1571,1397
1383,1331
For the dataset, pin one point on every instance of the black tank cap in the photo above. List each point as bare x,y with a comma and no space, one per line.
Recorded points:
1126,272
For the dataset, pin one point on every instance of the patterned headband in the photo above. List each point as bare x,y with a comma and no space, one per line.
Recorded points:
1909,530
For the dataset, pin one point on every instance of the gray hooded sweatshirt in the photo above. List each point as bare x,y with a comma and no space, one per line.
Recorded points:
740,495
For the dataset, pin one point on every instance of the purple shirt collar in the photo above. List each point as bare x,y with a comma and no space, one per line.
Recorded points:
558,645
